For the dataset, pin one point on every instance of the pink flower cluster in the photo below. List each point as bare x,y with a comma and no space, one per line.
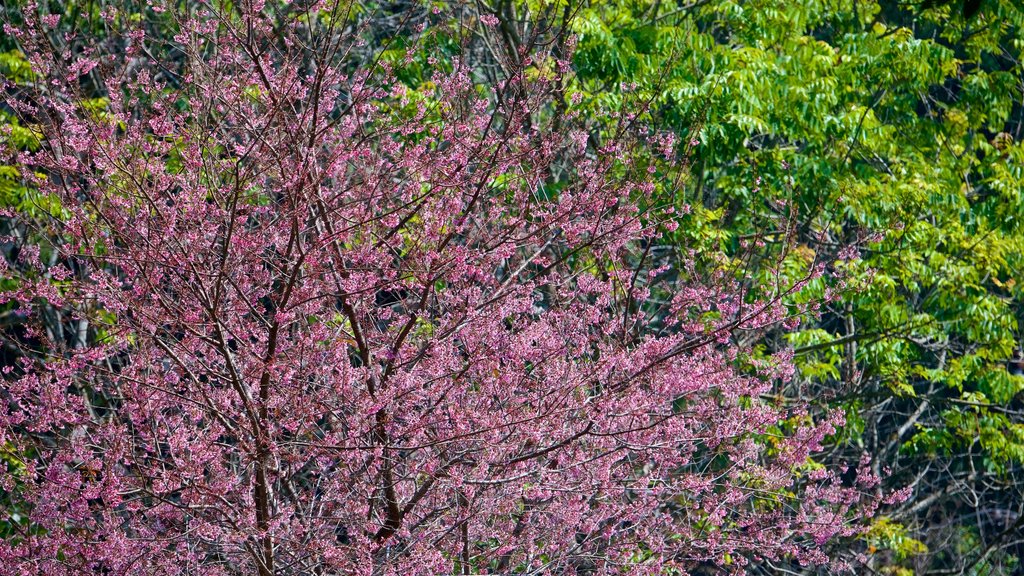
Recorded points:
342,326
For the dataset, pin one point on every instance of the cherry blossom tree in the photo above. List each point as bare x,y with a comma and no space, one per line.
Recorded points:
315,321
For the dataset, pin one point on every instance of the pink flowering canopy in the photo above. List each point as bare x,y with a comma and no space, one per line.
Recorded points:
321,323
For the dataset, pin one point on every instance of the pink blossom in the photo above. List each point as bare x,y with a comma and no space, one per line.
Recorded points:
342,334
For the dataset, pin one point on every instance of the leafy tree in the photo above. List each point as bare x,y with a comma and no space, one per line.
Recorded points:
315,321
851,118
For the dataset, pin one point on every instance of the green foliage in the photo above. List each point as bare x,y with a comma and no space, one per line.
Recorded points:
820,123
14,67
885,534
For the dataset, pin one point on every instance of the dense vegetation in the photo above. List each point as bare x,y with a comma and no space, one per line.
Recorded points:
879,142
867,117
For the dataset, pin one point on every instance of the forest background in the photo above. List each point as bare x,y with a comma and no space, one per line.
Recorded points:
807,126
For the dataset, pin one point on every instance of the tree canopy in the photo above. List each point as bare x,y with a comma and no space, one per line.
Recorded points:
529,286
865,118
